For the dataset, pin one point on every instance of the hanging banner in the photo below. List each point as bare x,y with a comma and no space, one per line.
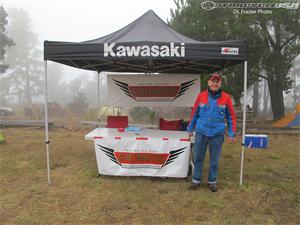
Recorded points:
153,90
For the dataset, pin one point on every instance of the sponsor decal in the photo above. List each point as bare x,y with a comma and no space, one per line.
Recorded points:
208,5
117,50
229,51
154,93
141,159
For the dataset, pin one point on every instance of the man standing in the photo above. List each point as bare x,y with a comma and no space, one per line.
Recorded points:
212,107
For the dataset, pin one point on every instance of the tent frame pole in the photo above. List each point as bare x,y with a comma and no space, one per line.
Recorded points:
98,111
244,122
47,142
98,91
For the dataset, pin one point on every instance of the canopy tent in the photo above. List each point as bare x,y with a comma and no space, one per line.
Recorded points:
147,45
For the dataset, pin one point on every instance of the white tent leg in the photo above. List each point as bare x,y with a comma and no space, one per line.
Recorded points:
46,123
98,95
98,90
244,122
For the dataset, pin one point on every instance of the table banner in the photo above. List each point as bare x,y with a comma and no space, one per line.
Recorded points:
165,157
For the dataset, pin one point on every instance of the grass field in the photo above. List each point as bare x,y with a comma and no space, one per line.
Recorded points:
269,195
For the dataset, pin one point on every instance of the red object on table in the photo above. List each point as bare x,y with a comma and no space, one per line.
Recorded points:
169,125
117,122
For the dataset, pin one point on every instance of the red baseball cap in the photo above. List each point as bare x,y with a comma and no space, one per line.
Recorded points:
215,76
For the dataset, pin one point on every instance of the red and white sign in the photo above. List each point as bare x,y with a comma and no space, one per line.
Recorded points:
153,90
230,51
152,153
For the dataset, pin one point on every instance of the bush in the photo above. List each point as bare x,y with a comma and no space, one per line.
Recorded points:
80,103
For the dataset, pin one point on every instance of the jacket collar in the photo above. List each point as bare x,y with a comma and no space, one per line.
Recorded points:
214,94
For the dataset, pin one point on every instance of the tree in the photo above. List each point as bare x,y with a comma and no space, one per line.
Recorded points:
76,85
272,42
280,34
58,90
192,20
80,102
296,72
5,41
265,97
255,104
90,84
25,58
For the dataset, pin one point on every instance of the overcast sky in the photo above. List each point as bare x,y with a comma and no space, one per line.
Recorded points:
80,20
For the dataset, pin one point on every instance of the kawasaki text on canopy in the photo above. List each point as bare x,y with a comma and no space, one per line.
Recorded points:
110,49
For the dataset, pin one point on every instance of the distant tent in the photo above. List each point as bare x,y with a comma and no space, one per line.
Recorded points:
292,119
295,122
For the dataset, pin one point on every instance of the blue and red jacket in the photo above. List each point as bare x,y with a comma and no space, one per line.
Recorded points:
210,113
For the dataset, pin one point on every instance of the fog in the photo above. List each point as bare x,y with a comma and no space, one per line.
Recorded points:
75,21
69,20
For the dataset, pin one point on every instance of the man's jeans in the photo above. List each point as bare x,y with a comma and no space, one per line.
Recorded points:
215,145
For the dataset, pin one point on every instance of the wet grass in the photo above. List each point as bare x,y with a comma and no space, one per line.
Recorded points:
269,195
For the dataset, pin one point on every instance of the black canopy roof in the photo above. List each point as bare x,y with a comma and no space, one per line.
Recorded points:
147,45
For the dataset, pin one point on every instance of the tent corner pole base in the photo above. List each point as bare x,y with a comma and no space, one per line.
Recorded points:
48,164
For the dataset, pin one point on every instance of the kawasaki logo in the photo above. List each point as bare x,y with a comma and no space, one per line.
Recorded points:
171,50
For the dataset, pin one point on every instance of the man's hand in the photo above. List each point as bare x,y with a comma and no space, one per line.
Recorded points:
191,134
